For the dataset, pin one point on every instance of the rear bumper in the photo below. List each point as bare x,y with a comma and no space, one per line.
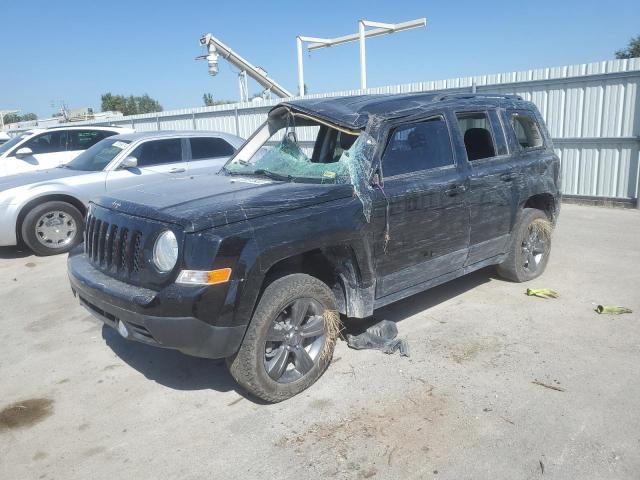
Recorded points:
104,297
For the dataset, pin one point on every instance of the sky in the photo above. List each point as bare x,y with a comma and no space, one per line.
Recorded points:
75,50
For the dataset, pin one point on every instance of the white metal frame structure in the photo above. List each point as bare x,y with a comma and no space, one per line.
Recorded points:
378,28
216,48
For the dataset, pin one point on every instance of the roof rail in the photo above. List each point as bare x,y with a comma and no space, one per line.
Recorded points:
448,96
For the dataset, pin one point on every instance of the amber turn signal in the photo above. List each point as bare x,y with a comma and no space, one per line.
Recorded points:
203,277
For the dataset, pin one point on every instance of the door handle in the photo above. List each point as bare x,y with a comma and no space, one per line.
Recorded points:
454,190
177,170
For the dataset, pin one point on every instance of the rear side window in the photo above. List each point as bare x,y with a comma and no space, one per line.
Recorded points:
157,152
210,147
51,142
476,132
527,131
83,139
418,146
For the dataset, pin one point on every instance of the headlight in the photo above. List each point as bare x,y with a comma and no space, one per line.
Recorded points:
165,251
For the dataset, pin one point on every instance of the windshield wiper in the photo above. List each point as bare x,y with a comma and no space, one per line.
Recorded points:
273,175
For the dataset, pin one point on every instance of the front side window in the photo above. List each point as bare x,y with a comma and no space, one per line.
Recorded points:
418,146
210,147
83,139
9,144
51,142
476,132
158,152
96,158
527,131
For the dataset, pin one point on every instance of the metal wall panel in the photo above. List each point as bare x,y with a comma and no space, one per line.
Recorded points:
592,112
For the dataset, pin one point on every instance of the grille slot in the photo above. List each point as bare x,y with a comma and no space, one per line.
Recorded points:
114,248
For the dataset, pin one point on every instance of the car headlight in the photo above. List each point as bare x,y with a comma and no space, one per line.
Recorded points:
165,251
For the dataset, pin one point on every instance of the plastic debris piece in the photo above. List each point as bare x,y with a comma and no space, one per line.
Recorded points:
612,309
381,336
542,292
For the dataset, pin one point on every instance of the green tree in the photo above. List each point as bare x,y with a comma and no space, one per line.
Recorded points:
208,100
632,50
130,105
15,118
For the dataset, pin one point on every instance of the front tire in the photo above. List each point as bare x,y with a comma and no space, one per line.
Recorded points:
529,248
289,342
52,228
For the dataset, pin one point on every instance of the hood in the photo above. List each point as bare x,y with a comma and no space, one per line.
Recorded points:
205,201
39,176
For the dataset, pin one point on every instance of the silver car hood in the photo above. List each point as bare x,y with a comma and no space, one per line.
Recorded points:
22,179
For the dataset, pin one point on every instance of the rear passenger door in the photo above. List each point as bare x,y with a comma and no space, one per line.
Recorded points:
428,220
208,154
158,160
492,177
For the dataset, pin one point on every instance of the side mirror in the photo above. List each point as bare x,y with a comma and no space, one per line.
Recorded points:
24,152
129,162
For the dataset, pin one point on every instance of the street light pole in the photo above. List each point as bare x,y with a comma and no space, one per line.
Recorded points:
377,29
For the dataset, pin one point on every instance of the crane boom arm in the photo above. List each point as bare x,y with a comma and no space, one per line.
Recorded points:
216,47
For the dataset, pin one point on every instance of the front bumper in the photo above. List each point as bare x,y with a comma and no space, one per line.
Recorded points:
113,301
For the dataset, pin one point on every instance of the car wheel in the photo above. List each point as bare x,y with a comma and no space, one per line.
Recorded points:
289,342
52,228
529,248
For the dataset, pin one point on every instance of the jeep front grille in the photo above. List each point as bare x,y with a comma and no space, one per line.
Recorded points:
113,248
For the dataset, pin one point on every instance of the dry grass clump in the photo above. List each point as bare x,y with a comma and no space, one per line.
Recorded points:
332,328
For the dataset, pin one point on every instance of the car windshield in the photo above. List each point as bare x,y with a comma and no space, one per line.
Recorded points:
96,158
296,148
5,147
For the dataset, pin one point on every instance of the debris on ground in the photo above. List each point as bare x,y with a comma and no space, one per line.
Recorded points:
546,385
612,309
381,336
541,466
542,292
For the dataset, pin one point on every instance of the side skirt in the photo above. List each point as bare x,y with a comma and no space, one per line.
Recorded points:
421,287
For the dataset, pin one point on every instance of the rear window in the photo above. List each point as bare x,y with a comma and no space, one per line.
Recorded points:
210,147
526,130
83,139
418,146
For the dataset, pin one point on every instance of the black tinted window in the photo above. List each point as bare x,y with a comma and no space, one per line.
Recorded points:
210,147
419,146
83,139
476,131
158,151
51,142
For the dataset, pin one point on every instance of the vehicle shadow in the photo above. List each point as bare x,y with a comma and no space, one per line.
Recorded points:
8,253
398,311
172,368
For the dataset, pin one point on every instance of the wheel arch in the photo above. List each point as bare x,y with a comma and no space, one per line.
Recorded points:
60,197
545,202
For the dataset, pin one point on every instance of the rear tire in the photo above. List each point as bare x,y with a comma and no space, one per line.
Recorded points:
277,359
529,247
52,228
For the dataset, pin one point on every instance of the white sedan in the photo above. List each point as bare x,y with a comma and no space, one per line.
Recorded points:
45,209
40,148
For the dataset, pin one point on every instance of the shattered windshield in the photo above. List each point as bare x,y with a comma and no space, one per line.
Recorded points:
290,148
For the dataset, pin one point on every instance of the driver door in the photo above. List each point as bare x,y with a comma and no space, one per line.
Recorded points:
158,160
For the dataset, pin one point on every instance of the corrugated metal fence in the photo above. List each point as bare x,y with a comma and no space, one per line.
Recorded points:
592,111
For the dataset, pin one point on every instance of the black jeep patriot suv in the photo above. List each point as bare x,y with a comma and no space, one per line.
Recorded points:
332,205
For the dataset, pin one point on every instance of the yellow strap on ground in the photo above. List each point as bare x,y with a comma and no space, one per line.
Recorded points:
542,292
